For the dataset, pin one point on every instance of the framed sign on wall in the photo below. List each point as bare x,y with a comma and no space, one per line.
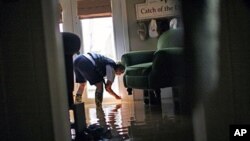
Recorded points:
154,9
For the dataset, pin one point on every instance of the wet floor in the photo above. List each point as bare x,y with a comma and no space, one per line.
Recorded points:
135,121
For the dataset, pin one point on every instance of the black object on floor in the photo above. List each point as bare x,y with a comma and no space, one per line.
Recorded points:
98,132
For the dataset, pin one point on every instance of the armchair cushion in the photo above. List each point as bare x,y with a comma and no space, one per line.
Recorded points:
139,69
137,75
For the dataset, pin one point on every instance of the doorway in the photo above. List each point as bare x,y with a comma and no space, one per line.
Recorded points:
98,37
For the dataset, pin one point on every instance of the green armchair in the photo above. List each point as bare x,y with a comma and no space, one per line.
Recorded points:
152,70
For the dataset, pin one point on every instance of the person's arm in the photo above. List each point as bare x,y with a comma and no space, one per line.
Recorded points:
110,73
110,91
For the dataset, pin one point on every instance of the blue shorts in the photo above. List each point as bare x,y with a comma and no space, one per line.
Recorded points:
85,71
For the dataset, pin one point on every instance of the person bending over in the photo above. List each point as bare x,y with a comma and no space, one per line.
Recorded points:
93,67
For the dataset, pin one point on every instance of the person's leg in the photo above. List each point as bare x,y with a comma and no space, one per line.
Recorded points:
87,71
99,94
79,74
78,98
83,72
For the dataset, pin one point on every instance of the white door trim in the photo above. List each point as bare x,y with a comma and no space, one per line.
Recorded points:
120,24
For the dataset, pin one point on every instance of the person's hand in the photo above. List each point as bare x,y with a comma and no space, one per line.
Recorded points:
117,97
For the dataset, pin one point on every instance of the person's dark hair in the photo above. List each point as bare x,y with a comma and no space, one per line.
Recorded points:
71,43
119,65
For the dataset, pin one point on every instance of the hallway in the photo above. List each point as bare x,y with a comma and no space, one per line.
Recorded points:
135,121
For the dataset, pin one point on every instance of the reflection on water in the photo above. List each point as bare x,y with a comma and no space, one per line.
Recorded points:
135,121
114,116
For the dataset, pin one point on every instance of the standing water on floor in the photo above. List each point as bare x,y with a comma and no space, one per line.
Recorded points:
116,117
135,121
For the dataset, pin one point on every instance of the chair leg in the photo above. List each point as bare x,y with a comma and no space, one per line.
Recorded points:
157,92
152,97
155,97
129,90
146,96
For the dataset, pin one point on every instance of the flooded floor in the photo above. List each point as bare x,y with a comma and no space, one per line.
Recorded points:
135,121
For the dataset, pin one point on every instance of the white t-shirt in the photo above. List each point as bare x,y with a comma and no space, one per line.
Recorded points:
110,73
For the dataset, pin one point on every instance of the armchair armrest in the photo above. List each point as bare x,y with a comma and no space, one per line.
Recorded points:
137,57
169,61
